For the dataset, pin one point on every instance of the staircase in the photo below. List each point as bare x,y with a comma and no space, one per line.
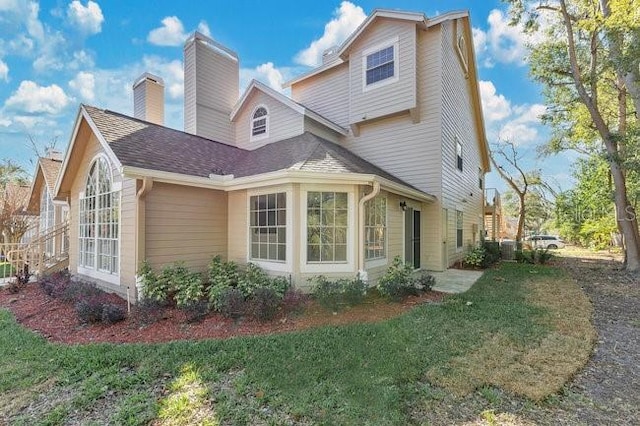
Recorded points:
43,255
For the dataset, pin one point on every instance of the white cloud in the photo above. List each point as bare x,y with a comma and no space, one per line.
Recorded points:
346,19
268,74
84,84
33,98
502,42
203,27
171,33
4,71
88,19
495,106
81,59
170,71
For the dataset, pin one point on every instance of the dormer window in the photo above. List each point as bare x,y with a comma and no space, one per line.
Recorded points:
380,65
260,123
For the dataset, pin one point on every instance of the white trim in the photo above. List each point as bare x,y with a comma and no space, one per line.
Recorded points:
252,119
378,261
93,273
393,42
328,267
273,265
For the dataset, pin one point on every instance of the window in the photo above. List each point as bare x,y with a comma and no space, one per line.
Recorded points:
459,226
380,65
47,218
375,228
459,154
327,226
268,226
99,221
260,123
480,178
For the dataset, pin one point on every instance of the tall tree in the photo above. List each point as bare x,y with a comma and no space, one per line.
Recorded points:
13,192
587,61
509,166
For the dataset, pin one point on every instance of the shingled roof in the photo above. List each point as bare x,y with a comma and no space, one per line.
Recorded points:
50,169
145,145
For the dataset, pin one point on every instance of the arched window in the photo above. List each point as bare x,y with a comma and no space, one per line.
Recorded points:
260,123
99,221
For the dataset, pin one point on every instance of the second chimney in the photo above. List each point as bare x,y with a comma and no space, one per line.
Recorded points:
148,98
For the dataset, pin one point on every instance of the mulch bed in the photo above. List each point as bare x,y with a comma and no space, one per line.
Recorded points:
57,321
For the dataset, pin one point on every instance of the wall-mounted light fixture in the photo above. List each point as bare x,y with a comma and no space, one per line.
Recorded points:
403,205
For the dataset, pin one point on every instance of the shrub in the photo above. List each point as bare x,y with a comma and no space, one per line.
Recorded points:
89,309
264,304
149,311
222,277
331,294
424,281
475,257
232,303
77,290
188,286
251,279
397,282
294,301
112,313
55,284
537,256
196,311
153,287
491,253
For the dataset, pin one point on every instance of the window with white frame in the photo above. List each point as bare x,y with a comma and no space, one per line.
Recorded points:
260,123
47,218
459,228
375,228
268,226
99,220
327,227
380,65
458,154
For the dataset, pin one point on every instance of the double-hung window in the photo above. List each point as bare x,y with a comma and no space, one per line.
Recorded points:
268,227
380,65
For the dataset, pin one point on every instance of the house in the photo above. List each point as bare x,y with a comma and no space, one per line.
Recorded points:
378,152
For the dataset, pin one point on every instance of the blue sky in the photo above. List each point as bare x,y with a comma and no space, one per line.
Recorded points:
55,54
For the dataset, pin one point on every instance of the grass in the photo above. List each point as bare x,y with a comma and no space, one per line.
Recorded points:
6,270
355,374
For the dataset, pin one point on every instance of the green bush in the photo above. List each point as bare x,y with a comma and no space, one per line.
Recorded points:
397,282
491,253
232,303
538,256
222,277
333,294
152,286
188,286
255,277
424,281
264,304
475,257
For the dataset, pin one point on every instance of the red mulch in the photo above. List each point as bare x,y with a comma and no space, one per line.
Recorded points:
57,321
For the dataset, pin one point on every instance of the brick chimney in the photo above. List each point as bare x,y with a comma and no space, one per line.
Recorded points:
148,98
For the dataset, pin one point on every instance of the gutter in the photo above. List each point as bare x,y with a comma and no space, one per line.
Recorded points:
376,190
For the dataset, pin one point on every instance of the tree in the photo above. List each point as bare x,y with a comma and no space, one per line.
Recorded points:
520,180
587,61
13,193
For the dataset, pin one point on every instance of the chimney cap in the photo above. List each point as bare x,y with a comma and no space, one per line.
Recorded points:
148,76
212,44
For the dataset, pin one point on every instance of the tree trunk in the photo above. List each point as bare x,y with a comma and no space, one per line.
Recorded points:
626,218
521,217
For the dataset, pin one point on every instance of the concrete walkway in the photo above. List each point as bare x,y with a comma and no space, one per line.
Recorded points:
455,280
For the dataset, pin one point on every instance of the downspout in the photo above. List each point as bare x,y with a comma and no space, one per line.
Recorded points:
147,185
376,190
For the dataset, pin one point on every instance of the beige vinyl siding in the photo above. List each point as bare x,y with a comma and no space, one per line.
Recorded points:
211,90
327,94
391,98
320,130
238,226
459,189
128,202
283,122
185,224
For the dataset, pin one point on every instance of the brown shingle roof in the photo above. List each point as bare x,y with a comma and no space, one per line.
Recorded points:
50,170
141,144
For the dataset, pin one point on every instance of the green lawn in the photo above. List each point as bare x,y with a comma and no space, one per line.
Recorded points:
357,374
6,270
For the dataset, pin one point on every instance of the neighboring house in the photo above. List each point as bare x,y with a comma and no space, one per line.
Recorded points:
379,152
41,200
